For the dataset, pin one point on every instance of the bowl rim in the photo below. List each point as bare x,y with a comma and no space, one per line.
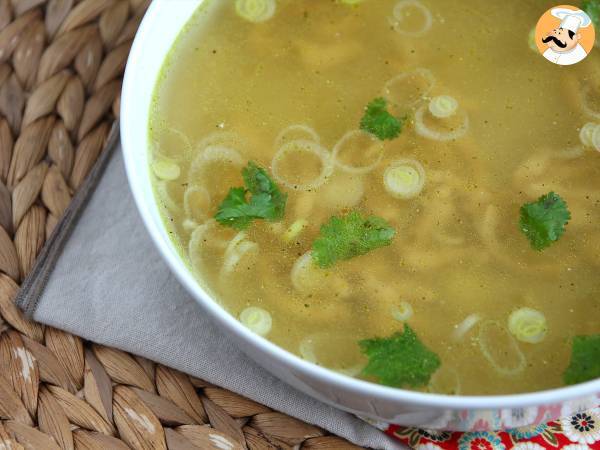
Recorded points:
232,325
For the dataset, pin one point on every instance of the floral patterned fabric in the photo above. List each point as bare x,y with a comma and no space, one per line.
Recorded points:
580,431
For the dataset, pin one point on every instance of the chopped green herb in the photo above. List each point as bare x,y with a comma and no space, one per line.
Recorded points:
349,236
585,360
400,360
592,8
544,220
266,200
259,183
379,122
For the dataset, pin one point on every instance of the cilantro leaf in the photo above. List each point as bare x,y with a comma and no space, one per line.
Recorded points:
349,236
379,122
259,184
592,8
400,360
233,210
543,221
585,360
266,200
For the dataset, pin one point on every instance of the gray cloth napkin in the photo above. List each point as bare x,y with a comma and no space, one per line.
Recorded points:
103,280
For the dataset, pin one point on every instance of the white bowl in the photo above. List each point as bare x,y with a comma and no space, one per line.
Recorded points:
157,33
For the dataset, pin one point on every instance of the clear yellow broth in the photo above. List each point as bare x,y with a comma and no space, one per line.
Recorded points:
458,250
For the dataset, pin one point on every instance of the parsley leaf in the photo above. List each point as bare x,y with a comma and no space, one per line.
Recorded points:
378,121
400,360
585,360
266,202
592,8
544,220
349,236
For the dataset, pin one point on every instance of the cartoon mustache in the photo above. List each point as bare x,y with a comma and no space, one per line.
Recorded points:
556,41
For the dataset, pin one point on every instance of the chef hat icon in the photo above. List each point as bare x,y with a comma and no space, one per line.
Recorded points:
571,20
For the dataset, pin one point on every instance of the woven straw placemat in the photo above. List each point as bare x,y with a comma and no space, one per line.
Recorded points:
61,63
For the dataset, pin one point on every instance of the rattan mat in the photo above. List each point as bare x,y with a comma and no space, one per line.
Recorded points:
61,63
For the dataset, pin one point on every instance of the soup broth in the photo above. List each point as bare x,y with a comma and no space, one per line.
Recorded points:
288,93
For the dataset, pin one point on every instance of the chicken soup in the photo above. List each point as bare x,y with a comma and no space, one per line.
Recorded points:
401,191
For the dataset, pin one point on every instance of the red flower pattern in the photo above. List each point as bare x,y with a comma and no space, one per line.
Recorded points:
550,436
481,444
